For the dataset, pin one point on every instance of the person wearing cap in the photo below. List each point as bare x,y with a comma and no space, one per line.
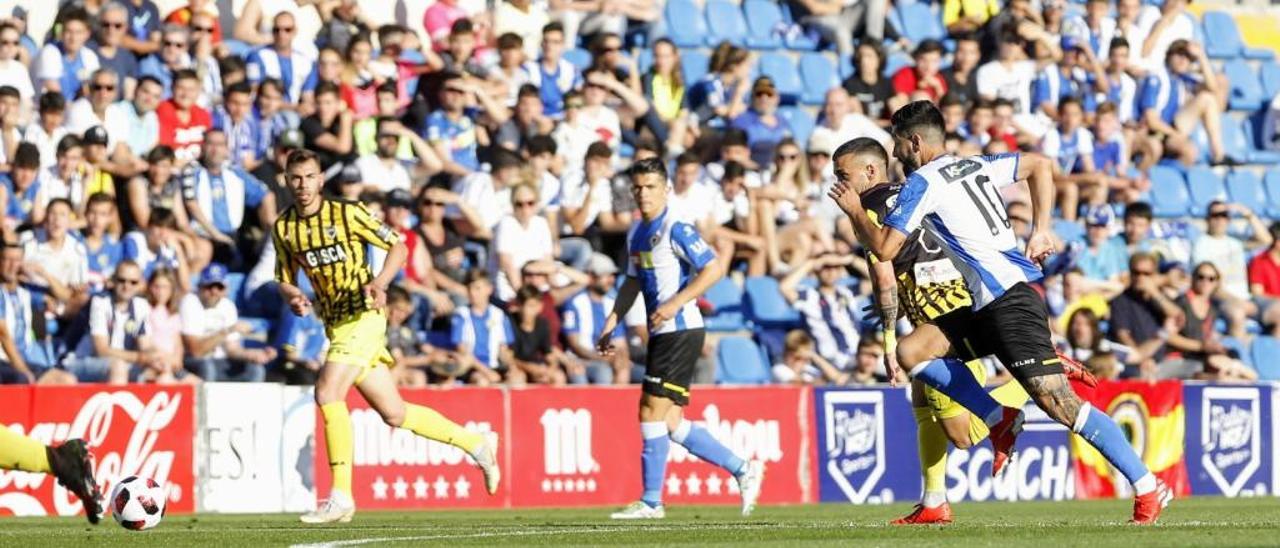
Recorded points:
584,315
842,122
1078,74
383,171
923,77
217,195
1182,95
99,167
1103,261
761,122
212,332
117,348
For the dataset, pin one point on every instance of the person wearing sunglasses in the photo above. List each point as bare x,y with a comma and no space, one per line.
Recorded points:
521,237
1143,317
280,60
761,122
174,55
1202,353
201,16
113,24
118,347
12,70
63,63
1229,250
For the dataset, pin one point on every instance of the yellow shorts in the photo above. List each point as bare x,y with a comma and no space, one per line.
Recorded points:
943,407
360,342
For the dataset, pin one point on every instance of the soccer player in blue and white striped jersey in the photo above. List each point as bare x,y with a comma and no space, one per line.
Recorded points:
670,265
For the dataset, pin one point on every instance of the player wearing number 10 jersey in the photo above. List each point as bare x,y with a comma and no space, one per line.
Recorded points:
959,199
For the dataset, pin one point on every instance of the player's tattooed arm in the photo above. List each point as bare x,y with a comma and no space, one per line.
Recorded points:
886,292
1054,395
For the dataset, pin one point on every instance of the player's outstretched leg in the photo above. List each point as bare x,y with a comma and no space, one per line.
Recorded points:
70,462
951,377
1053,394
700,442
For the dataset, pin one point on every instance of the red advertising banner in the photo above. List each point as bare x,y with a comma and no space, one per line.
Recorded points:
138,430
1152,415
581,446
395,468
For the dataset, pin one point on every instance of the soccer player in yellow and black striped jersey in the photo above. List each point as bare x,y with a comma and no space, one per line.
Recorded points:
326,239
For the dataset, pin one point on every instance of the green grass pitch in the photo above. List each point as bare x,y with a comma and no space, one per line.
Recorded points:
1095,524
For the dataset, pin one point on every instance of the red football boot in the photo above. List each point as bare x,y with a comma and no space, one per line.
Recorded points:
1076,371
923,515
1003,435
1147,508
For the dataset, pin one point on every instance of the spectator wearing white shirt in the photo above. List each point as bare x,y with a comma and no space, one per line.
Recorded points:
573,135
488,194
10,134
521,237
212,330
383,171
96,110
841,124
523,18
57,261
24,360
1161,27
12,71
1009,75
46,132
588,196
117,348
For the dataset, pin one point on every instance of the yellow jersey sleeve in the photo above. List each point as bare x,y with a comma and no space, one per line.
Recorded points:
364,226
286,268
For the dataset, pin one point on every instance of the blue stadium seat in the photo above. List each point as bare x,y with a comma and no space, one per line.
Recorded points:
1235,143
924,22
818,73
801,122
795,41
739,361
693,66
580,58
1245,188
785,74
1255,154
235,286
895,62
685,25
1205,186
846,67
1232,343
1270,74
1068,230
1169,195
1266,357
763,19
727,23
726,306
1271,185
1222,39
765,305
644,60
1246,88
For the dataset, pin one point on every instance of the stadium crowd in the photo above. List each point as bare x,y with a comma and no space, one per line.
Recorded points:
142,156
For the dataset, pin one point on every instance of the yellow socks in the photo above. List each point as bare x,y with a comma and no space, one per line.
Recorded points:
19,452
430,424
338,445
1009,394
932,444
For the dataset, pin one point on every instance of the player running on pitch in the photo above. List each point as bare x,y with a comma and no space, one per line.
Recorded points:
959,197
326,239
671,266
70,462
928,286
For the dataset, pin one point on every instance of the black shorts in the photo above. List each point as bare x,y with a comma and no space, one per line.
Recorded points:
1013,328
669,366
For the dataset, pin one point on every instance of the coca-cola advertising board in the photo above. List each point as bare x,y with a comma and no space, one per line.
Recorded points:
395,468
138,430
581,446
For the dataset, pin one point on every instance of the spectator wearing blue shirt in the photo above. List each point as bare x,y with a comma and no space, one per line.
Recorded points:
143,34
217,195
24,360
157,246
481,334
720,96
279,60
552,74
113,22
584,317
62,63
451,130
1175,100
235,118
1071,144
103,250
1078,74
173,56
763,126
1103,261
26,197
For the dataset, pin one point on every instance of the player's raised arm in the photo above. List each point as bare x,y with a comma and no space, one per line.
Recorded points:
860,164
1038,171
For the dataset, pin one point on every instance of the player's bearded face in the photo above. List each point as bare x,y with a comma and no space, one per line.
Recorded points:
906,151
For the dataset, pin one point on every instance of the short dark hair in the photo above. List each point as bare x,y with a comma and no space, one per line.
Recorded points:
185,74
920,117
528,90
733,170
77,14
1119,42
510,40
1069,100
950,100
274,83
62,201
10,91
326,87
1274,229
238,87
1138,209
462,26
528,292
502,158
734,137
52,101
599,149
685,158
162,217
387,87
159,154
928,45
540,144
299,157
397,294
474,275
554,26
68,142
648,166
862,146
99,198
27,156
149,79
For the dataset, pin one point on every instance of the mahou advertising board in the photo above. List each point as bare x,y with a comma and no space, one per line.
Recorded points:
138,430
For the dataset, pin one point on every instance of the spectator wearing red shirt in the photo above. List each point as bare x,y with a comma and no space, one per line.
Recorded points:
439,19
925,77
182,122
1264,270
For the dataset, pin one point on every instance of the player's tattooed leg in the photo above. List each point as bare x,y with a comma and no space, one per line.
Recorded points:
1054,395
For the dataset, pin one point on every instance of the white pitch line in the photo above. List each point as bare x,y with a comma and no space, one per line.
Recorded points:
544,532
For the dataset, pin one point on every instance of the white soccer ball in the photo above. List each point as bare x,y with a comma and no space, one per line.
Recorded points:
138,503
